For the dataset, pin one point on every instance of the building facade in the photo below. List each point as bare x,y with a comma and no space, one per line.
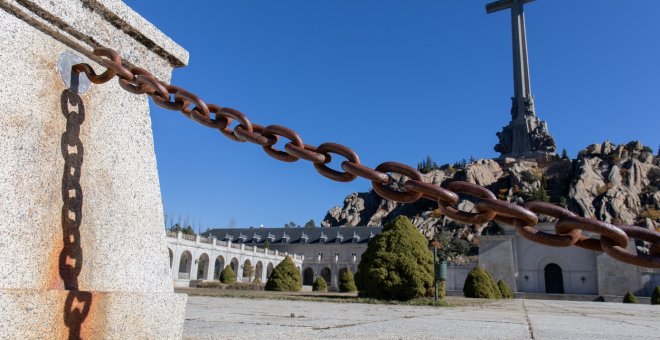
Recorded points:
326,252
195,257
525,266
530,267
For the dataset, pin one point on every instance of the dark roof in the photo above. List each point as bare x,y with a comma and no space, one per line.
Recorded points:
295,235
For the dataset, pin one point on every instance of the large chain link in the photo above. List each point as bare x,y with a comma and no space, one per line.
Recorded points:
612,239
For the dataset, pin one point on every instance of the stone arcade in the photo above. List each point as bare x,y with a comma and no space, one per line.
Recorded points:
195,257
326,251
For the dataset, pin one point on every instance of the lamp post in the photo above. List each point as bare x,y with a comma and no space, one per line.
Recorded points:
439,267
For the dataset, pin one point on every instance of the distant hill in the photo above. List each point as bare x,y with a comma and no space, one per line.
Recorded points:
613,183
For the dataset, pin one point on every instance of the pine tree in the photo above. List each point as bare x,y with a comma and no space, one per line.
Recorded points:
655,297
504,290
346,281
285,277
480,284
397,263
227,275
320,285
629,298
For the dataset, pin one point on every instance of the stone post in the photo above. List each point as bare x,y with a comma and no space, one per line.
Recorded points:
83,250
496,255
616,277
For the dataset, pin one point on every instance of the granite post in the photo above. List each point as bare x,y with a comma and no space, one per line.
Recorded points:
496,255
616,277
83,251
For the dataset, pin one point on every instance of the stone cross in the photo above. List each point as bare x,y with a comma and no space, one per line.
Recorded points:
523,103
526,136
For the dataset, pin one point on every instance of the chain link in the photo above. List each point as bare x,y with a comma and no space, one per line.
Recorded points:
612,239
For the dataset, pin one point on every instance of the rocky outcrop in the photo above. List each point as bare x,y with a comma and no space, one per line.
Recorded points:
613,183
616,183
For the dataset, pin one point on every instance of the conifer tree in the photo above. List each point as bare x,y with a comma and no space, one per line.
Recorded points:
655,296
629,298
397,264
320,285
346,281
227,275
285,277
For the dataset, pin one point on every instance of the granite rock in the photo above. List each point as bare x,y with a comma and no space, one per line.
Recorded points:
613,183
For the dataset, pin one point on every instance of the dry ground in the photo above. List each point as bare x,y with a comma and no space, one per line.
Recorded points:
266,315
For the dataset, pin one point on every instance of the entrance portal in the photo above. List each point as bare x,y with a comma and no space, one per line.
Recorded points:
554,280
308,277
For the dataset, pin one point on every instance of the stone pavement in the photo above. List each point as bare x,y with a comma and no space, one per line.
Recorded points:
235,318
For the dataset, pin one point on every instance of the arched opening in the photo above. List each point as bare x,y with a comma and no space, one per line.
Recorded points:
185,264
219,266
171,256
248,270
259,270
269,270
202,267
308,276
234,265
554,280
327,274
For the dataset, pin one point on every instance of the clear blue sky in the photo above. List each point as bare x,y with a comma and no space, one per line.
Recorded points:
395,80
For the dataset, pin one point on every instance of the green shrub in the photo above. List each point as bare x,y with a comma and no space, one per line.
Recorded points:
320,285
480,284
244,286
285,277
227,275
210,284
496,290
256,280
346,282
397,264
629,298
442,291
504,290
655,296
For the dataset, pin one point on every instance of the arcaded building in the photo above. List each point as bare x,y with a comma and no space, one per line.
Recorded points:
327,251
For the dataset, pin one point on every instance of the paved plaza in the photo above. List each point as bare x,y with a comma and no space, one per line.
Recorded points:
236,318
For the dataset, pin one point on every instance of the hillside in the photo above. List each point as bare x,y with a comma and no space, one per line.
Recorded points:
613,183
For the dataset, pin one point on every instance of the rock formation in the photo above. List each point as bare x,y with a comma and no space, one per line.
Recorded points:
613,183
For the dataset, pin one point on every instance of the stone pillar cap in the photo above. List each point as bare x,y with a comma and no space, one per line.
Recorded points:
84,25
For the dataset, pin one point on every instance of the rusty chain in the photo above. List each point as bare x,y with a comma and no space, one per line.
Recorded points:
613,239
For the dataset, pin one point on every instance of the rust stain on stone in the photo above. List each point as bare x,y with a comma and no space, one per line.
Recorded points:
55,281
93,326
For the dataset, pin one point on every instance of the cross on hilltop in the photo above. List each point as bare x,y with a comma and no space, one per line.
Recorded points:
526,136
